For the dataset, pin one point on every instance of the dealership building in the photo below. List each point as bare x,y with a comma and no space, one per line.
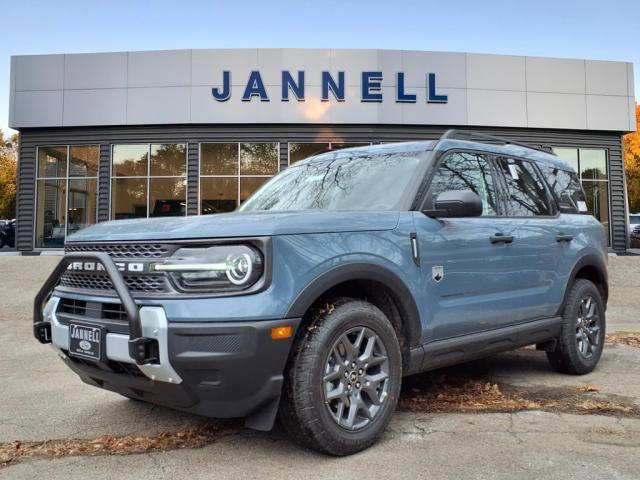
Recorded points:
193,132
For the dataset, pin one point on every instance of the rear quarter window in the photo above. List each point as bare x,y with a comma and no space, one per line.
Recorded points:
566,189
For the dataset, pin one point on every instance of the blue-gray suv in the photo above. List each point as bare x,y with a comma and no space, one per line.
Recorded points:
341,275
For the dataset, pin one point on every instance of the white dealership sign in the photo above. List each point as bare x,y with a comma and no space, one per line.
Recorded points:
319,86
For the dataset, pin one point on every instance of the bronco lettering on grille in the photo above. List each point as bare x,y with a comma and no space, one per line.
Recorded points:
98,267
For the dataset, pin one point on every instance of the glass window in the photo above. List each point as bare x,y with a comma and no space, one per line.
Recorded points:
218,195
130,160
466,171
219,159
376,180
593,164
52,162
341,145
597,194
569,155
168,160
84,161
82,203
248,185
566,188
128,198
148,180
51,216
300,151
527,195
167,197
66,190
259,158
231,172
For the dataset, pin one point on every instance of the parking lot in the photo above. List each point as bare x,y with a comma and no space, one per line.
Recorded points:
506,417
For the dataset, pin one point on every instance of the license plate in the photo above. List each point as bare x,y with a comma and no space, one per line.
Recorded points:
85,341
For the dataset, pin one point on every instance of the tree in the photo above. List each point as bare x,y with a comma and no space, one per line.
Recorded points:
8,174
632,165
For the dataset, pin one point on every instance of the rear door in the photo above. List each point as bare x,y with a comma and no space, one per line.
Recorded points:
532,209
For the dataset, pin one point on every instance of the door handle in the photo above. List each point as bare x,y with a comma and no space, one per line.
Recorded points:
561,237
501,238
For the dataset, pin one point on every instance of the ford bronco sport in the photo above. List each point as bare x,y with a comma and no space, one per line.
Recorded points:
341,275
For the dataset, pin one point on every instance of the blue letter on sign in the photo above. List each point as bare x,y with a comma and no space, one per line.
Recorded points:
402,97
328,83
255,87
289,83
225,94
432,97
371,86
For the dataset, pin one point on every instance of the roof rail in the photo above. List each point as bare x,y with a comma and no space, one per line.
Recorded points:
469,134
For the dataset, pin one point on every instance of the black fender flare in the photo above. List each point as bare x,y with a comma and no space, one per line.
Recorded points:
589,260
362,271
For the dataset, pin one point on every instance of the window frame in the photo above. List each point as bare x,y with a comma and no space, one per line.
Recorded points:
238,176
66,179
500,207
148,176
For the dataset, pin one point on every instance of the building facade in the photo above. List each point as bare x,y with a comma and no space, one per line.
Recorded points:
189,132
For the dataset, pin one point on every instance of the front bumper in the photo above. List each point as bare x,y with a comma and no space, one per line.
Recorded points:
216,369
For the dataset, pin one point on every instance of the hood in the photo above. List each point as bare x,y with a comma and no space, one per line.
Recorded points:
237,224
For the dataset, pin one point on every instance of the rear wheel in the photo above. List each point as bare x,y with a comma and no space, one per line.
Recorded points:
343,379
583,328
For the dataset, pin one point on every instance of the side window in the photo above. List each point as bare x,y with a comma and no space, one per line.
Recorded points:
526,194
566,189
466,171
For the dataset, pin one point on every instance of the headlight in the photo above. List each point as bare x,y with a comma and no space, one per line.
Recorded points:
221,268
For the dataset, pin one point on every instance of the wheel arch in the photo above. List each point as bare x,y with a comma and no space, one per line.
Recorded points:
366,276
591,267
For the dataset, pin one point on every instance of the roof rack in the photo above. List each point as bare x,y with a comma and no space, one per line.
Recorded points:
468,135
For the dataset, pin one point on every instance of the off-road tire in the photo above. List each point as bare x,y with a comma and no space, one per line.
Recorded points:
567,358
303,412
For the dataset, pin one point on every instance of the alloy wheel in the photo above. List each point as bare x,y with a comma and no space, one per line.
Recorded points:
588,326
356,378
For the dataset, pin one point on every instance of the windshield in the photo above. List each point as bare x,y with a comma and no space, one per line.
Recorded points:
366,180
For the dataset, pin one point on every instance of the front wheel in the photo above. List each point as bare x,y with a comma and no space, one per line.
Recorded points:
583,328
343,379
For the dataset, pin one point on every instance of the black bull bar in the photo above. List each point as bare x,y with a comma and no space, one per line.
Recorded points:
141,349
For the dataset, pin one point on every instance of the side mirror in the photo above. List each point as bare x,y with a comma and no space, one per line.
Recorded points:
456,204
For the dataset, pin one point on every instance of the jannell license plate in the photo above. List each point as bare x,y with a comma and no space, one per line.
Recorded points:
85,341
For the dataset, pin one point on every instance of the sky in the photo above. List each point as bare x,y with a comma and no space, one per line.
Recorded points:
559,28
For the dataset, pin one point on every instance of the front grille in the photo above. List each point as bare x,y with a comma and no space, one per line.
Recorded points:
138,250
93,310
100,281
138,283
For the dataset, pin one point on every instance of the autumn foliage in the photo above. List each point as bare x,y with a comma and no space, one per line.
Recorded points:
632,165
8,167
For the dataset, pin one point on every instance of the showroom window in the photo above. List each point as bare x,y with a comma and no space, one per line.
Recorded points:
231,172
300,151
66,190
148,180
591,165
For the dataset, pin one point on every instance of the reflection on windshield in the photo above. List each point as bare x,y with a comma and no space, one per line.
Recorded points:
341,181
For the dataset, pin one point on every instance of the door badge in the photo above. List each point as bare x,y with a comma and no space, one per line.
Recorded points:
437,273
